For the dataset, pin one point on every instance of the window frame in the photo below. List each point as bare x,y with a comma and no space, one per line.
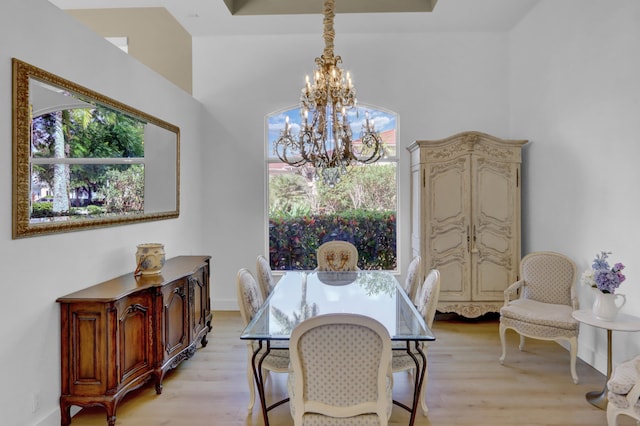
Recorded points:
273,129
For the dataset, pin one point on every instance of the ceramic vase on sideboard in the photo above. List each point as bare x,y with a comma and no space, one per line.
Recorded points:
150,258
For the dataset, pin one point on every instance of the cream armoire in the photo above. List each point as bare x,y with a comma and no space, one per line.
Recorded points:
465,217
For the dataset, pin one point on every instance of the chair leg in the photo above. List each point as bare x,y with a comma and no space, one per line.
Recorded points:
252,387
521,345
612,418
503,330
573,343
423,391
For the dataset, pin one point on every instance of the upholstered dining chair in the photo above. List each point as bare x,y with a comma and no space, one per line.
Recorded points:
249,301
427,302
265,275
540,304
411,281
624,392
340,371
337,256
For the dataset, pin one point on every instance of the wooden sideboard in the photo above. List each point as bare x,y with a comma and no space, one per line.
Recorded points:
122,333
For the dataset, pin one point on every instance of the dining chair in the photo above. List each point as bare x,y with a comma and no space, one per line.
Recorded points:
411,281
249,301
265,276
427,302
340,371
543,300
337,256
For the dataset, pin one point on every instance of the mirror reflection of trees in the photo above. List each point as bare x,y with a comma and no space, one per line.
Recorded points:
305,311
375,284
62,188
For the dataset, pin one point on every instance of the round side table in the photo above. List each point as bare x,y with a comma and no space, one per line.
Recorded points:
622,322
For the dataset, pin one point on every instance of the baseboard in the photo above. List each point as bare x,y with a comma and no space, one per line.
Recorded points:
224,305
50,419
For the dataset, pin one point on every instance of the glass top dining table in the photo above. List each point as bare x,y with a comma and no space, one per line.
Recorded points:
299,295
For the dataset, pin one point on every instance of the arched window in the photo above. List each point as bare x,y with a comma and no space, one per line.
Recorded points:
303,212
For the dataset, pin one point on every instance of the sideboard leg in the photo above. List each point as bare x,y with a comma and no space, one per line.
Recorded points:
111,412
65,412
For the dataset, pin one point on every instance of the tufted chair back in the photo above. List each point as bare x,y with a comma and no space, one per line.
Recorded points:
265,276
411,281
341,369
549,278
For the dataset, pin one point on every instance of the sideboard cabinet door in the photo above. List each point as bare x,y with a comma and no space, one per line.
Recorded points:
201,305
465,209
175,328
134,330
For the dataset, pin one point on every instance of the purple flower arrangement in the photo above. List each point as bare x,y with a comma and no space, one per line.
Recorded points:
602,276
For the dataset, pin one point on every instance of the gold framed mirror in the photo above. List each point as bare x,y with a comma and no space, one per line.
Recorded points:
82,160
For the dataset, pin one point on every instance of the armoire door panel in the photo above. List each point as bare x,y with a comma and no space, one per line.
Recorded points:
488,240
448,226
493,191
453,275
492,277
445,241
448,185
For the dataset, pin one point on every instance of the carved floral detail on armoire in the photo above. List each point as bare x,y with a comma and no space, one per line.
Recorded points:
465,217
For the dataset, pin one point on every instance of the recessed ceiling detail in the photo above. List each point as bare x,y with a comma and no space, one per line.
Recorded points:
298,7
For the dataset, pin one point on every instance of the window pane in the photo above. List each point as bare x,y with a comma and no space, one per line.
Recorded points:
361,208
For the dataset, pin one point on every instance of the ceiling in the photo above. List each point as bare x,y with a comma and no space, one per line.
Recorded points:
255,17
288,7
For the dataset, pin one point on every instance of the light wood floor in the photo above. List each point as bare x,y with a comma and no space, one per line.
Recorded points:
467,385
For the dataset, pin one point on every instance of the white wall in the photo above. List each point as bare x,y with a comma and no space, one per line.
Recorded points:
35,271
438,83
575,93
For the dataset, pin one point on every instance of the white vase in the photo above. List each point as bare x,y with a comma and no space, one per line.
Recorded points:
607,305
150,258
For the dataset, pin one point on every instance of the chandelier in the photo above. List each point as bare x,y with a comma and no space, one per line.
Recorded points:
324,140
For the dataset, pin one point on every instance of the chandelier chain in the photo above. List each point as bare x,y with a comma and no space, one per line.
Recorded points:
329,33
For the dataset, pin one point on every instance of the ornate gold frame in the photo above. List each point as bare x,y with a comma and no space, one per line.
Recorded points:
22,227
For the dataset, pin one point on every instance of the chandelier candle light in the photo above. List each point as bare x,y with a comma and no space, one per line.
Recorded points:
324,140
